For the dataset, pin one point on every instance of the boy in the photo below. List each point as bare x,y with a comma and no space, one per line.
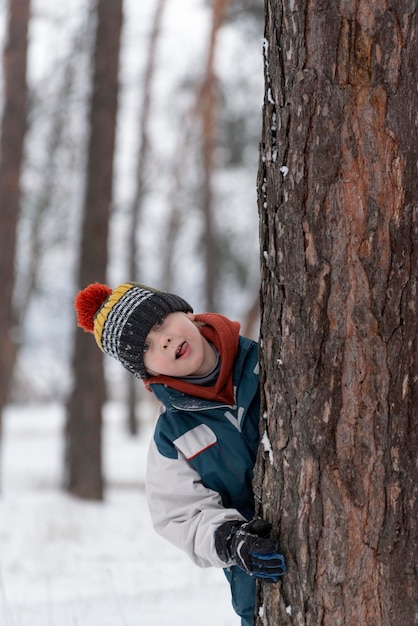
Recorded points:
200,462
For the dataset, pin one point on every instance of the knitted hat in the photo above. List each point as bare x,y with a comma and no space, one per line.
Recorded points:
121,319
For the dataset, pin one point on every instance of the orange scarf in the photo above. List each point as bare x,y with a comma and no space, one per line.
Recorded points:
224,335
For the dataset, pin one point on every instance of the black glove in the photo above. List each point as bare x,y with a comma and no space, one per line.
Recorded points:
250,546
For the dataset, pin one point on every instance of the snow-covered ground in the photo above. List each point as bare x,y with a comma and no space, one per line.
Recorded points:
66,562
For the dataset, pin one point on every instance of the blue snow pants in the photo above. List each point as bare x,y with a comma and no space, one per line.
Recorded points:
243,593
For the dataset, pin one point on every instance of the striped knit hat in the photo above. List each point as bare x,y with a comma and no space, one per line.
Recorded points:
122,318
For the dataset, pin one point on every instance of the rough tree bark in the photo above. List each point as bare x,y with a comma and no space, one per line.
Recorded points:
84,415
338,208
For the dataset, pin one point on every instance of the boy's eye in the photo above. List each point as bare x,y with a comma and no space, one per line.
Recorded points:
158,325
146,346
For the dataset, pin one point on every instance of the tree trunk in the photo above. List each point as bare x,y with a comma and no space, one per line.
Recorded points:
339,368
13,129
84,416
140,186
208,103
42,203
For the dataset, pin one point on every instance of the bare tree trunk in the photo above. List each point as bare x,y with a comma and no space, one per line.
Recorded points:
141,175
202,113
175,199
42,203
339,241
12,139
208,101
84,416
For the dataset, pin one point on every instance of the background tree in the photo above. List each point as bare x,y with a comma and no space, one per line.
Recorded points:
44,218
142,173
207,106
213,161
338,220
12,139
84,418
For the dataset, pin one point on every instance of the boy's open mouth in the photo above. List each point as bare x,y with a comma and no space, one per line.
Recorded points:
181,349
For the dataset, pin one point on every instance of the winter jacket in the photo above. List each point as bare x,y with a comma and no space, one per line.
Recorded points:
201,458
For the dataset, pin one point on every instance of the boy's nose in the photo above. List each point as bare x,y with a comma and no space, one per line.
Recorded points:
165,342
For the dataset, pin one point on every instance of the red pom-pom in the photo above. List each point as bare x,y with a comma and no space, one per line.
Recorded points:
88,302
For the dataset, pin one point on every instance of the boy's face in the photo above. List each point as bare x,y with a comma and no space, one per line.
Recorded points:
175,347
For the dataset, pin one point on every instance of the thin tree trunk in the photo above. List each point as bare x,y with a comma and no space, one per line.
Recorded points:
140,189
42,203
13,129
170,236
203,113
208,101
84,416
339,241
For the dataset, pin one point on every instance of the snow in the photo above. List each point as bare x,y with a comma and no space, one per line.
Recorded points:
267,447
68,562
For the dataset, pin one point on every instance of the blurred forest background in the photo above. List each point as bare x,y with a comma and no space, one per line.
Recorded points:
129,149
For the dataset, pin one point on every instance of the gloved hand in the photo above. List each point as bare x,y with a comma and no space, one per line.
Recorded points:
250,546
